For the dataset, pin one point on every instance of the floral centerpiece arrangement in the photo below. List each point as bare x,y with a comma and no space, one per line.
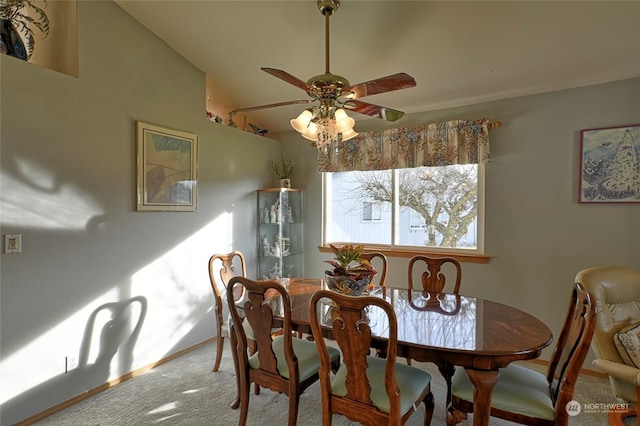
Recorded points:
351,273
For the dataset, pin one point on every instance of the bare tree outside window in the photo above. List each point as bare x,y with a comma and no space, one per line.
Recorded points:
446,198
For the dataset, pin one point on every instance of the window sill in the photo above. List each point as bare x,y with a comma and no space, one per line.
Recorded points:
395,252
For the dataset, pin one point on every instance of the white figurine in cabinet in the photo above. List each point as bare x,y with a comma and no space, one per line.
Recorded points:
275,212
274,273
265,245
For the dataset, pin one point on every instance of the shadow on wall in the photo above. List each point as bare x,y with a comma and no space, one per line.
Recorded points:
116,336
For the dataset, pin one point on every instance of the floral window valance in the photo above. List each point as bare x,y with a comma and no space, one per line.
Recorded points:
437,144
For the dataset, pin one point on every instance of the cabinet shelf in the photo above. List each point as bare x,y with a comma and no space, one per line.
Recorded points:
280,233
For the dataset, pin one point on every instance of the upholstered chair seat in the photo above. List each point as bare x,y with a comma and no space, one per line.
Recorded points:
519,390
410,383
306,352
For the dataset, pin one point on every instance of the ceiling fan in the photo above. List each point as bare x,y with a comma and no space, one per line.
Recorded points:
335,92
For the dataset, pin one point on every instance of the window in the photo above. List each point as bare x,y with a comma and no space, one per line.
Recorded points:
371,211
435,208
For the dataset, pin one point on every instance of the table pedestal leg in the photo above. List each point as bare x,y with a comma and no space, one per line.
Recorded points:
483,382
446,370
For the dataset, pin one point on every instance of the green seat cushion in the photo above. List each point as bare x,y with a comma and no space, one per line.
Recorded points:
411,382
248,331
306,352
519,390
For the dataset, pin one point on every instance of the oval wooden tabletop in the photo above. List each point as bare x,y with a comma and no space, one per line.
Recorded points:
447,322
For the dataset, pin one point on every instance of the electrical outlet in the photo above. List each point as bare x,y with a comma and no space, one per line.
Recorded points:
71,362
13,243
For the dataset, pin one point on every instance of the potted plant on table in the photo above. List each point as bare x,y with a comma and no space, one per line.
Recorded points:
19,17
283,170
351,274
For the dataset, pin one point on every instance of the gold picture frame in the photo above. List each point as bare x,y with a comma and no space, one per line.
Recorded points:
166,169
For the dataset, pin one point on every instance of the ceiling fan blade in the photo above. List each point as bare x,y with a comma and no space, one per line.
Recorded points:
379,85
254,108
277,104
285,76
373,110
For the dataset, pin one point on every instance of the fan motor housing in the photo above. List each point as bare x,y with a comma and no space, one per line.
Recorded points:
328,84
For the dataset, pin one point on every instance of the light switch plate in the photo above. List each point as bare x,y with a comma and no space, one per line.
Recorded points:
13,243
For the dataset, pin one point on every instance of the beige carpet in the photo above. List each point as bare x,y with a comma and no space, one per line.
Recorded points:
184,391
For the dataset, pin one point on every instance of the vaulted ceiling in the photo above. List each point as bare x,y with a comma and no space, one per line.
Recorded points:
459,52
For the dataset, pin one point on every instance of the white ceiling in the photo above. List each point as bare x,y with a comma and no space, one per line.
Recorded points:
459,52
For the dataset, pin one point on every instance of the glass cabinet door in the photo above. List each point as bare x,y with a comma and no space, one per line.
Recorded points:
279,233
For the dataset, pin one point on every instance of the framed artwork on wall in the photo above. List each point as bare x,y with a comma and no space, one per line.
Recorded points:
166,169
610,165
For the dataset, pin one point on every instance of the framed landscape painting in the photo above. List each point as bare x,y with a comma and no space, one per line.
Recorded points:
166,169
610,165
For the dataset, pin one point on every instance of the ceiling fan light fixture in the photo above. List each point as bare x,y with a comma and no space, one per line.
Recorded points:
311,132
349,134
313,137
301,123
344,123
324,126
340,114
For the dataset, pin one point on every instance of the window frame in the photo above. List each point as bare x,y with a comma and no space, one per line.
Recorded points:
476,255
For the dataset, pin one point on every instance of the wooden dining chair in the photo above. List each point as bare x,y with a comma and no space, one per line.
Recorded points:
379,261
282,363
433,277
366,389
526,396
222,267
433,280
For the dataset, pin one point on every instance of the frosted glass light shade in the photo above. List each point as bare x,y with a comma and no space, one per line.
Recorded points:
301,123
349,134
345,125
343,122
340,114
311,132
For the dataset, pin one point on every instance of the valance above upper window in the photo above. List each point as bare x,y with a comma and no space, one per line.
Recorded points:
436,144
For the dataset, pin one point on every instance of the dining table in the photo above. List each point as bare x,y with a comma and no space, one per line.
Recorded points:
477,334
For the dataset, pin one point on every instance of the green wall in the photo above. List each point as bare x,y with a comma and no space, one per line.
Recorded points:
91,267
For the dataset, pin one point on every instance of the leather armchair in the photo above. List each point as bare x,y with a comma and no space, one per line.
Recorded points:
616,292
